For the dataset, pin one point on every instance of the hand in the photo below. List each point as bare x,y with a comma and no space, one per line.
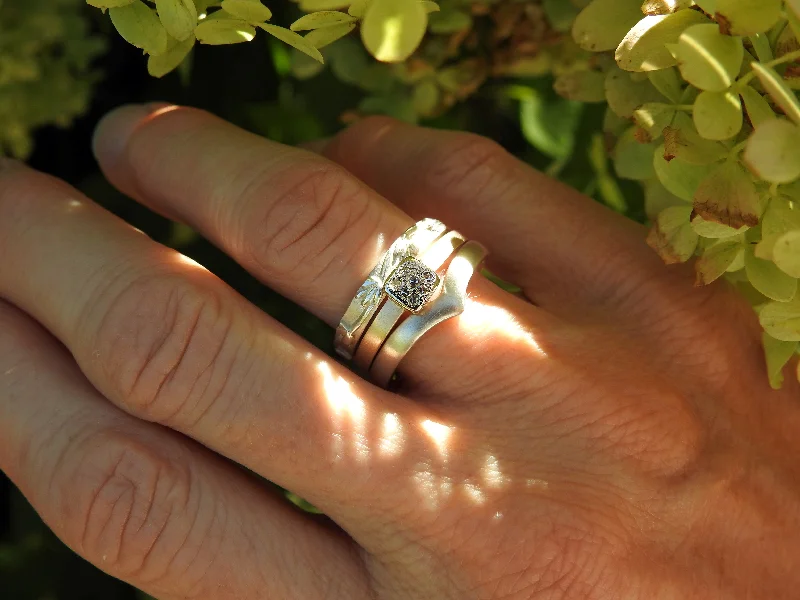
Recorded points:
613,438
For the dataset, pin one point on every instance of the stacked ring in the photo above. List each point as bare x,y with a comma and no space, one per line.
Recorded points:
405,283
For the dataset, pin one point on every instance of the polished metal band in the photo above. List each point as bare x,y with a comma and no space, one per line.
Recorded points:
450,303
391,312
370,295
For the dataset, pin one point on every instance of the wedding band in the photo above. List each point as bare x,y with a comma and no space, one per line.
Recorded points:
450,303
393,309
371,294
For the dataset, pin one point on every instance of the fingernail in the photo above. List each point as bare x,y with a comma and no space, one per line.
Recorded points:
113,132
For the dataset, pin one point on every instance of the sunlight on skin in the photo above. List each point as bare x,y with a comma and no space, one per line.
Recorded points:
392,438
74,205
479,321
348,411
474,492
434,489
492,476
440,434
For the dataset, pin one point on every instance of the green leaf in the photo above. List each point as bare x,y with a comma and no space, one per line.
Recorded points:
179,17
161,64
716,260
668,83
449,21
644,47
319,38
758,109
323,18
251,11
664,7
658,198
773,151
786,253
314,5
728,196
430,7
714,230
632,159
679,177
550,126
747,17
682,141
777,353
778,90
581,86
603,23
293,39
672,235
707,59
359,7
781,216
139,25
109,3
561,15
654,118
781,320
392,29
769,280
224,31
625,94
426,97
718,115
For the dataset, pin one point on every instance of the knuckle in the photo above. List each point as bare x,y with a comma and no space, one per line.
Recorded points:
306,223
466,163
162,338
124,505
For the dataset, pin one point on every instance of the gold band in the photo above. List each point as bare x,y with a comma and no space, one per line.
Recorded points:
368,299
391,312
450,303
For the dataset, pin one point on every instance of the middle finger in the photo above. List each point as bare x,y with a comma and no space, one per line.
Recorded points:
300,223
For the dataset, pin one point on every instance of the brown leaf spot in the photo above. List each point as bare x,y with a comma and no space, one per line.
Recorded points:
724,24
659,242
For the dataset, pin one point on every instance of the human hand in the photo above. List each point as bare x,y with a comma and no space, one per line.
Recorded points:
613,438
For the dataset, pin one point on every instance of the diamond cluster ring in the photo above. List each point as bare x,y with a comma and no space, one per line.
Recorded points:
405,296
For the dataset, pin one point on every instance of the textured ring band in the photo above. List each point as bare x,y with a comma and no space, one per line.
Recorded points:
369,296
450,303
391,311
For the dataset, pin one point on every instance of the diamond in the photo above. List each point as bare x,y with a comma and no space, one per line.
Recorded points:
411,284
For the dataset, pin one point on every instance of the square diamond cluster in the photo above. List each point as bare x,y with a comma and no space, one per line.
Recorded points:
411,284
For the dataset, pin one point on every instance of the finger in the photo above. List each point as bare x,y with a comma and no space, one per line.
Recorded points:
297,221
168,342
544,236
145,504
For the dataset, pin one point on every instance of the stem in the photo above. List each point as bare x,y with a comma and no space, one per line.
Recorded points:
791,56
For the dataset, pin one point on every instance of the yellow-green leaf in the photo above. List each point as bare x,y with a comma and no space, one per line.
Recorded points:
632,159
728,196
314,5
714,230
430,7
654,118
786,253
769,279
251,11
715,261
161,64
781,94
323,18
319,38
718,115
672,235
664,7
707,59
682,141
603,23
293,39
139,25
392,29
679,177
625,93
109,3
224,31
773,151
758,109
782,320
747,17
777,353
179,17
358,7
668,83
581,86
644,47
